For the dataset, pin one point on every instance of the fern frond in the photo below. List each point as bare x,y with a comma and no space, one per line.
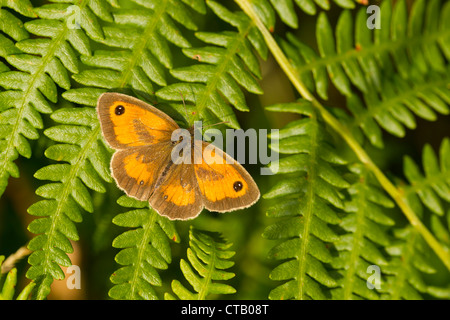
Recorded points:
144,250
41,65
358,56
365,224
84,166
393,108
307,203
142,35
8,284
209,256
229,63
409,261
431,189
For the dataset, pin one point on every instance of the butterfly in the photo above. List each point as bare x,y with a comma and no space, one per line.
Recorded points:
143,166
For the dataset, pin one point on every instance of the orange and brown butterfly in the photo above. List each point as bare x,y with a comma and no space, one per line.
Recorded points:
142,165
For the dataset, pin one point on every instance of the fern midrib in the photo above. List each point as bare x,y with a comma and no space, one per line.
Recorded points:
221,68
142,43
73,174
137,272
207,280
398,98
307,217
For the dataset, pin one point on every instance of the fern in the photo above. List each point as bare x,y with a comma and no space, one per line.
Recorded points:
85,165
41,65
306,81
308,202
143,32
431,190
9,23
222,69
393,109
209,256
356,55
87,156
144,249
362,245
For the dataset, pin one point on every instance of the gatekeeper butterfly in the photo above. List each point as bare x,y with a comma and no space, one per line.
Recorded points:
142,165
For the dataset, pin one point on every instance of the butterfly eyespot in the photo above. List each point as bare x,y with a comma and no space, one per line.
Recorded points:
237,186
141,182
120,110
165,197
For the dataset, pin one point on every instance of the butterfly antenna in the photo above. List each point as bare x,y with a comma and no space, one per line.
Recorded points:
215,124
185,109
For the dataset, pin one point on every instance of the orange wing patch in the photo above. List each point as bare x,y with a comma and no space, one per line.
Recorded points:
128,122
134,166
176,194
223,182
220,181
136,169
137,126
180,195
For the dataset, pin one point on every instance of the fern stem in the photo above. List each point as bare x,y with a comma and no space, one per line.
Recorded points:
292,74
138,267
308,214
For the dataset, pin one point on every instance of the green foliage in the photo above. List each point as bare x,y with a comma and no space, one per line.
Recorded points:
330,216
209,256
85,165
226,66
435,185
143,250
365,226
8,283
307,200
409,261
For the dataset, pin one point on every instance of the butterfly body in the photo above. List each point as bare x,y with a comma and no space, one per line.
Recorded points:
144,168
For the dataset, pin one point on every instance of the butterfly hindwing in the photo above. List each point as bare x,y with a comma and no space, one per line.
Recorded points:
136,170
224,184
177,195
